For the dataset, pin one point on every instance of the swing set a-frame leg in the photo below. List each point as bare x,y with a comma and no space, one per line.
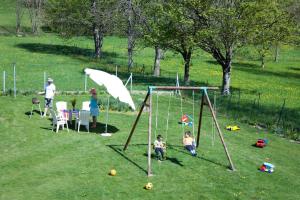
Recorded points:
200,120
219,130
136,121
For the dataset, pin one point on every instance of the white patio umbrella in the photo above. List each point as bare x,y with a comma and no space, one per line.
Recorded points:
114,87
113,84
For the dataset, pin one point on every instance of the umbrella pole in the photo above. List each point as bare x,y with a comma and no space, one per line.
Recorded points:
107,107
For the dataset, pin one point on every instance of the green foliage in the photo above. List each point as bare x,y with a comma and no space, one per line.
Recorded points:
69,18
76,17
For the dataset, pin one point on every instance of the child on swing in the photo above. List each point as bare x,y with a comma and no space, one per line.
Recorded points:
159,148
189,144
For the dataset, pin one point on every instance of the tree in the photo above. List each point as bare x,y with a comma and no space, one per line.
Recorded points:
226,26
35,13
147,18
81,17
127,25
272,28
19,15
168,28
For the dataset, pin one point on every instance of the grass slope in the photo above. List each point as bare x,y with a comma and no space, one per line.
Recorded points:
39,164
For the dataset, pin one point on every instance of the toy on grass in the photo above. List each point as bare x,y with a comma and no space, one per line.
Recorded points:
186,120
267,167
233,128
113,172
148,186
261,143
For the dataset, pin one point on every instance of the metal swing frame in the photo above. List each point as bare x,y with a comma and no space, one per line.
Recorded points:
204,99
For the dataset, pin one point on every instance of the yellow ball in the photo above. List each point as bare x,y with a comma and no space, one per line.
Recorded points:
113,172
148,186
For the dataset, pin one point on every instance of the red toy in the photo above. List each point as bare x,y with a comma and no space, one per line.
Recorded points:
184,118
261,143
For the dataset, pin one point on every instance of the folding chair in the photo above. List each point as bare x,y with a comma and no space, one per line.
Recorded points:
83,119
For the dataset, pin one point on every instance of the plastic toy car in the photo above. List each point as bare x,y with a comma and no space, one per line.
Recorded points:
260,143
233,128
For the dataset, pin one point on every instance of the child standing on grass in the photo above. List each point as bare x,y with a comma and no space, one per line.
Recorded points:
94,107
188,142
159,148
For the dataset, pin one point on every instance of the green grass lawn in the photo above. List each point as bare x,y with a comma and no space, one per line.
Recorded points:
37,163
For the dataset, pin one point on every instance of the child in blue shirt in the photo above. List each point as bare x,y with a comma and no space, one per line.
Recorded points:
94,109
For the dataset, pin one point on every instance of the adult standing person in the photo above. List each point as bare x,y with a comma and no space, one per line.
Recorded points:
49,95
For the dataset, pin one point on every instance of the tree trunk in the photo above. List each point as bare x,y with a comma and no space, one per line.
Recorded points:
98,36
18,16
98,40
263,61
130,33
276,53
225,62
187,60
35,8
158,56
226,79
130,52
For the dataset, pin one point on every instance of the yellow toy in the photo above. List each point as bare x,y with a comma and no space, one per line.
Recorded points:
233,128
113,172
148,186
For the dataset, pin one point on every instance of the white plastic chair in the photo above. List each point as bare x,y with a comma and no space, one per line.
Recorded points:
61,106
83,119
58,120
85,105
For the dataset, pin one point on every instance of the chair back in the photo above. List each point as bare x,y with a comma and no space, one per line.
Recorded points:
85,105
61,105
84,117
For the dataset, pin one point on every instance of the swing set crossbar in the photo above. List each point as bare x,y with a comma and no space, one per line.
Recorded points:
151,88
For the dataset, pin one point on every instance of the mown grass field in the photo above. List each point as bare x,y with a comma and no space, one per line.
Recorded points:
36,163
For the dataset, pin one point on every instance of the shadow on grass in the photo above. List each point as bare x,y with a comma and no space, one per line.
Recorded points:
257,70
100,127
61,50
143,80
11,30
168,158
28,113
294,68
119,149
182,150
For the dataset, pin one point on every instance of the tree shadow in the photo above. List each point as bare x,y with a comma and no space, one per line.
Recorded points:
61,50
146,80
294,68
265,72
11,30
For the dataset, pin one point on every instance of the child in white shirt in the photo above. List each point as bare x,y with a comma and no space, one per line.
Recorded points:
159,147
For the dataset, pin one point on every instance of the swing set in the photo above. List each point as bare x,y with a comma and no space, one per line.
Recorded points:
204,100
